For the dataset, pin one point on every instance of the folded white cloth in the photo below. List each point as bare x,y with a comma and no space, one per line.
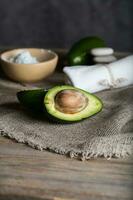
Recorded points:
99,77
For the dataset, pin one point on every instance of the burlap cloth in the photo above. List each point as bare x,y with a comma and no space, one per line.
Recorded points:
108,134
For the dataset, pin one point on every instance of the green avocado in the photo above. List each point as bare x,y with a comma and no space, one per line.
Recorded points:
69,104
61,103
79,53
32,99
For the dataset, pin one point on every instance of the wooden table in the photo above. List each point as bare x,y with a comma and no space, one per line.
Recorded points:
28,174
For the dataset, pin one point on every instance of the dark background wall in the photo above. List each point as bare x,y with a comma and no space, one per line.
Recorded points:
59,23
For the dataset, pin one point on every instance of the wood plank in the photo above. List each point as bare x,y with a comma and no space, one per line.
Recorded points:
26,173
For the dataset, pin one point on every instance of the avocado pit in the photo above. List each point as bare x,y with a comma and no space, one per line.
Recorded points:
70,101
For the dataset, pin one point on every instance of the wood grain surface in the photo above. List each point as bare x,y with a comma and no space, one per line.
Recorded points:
29,174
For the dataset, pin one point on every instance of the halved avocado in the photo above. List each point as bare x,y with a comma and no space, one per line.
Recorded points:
70,104
32,99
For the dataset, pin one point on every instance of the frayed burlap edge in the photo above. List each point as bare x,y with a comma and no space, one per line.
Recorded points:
99,147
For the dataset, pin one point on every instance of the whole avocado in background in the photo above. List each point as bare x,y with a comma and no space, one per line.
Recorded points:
79,52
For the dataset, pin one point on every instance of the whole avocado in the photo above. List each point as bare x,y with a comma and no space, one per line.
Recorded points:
32,99
79,52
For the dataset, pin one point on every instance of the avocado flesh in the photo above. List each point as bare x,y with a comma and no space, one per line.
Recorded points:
79,53
32,99
93,107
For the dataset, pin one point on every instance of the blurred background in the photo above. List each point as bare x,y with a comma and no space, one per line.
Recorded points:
59,23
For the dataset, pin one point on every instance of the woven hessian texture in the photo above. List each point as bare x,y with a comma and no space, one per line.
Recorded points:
108,134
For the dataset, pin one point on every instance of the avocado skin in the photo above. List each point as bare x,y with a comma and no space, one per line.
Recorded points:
79,53
32,99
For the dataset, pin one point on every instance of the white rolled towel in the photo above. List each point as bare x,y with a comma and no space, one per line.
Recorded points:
99,77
